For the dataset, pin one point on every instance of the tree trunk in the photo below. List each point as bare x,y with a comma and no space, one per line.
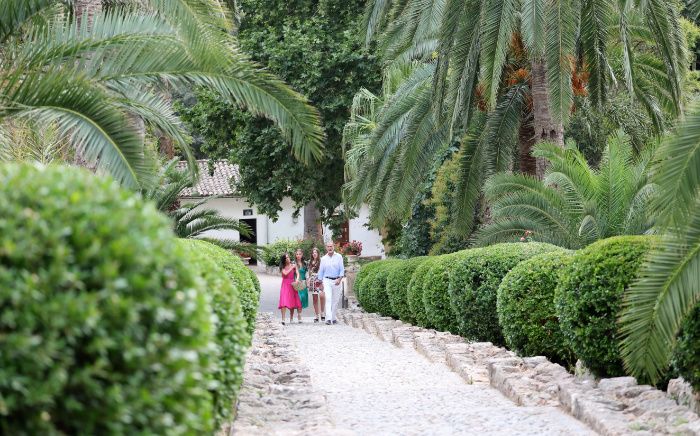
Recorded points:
86,9
546,128
526,139
312,222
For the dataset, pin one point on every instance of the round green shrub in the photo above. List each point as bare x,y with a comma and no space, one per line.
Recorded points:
686,354
367,270
526,310
474,282
415,292
374,287
239,275
589,298
436,294
232,337
104,328
397,287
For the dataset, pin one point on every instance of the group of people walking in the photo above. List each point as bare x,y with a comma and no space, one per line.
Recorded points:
320,276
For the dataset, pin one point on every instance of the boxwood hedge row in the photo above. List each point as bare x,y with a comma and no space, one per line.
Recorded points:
108,324
397,282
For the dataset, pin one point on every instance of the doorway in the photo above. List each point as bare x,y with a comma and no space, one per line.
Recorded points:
253,237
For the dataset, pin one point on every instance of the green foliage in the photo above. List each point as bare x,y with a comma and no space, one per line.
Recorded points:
474,282
92,81
244,281
272,253
668,288
526,311
232,338
575,204
415,237
315,46
436,295
374,293
415,292
363,280
94,295
589,299
686,353
397,285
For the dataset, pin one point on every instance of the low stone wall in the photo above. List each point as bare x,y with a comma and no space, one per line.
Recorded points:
615,406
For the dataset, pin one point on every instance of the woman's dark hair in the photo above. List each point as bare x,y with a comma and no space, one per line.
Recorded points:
282,260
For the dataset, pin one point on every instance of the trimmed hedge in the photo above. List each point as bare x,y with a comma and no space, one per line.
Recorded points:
436,294
397,287
474,284
526,311
271,254
103,325
686,354
240,277
589,299
365,272
415,292
232,337
374,293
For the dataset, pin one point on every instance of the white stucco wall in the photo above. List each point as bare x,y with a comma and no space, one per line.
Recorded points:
286,228
371,239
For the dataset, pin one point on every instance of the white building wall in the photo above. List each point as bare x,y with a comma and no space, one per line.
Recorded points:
371,239
287,227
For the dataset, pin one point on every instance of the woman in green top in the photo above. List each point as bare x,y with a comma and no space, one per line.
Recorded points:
301,276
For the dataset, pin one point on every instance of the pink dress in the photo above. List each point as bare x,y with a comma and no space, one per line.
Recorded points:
288,296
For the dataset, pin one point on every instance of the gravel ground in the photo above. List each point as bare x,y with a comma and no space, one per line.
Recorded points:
374,388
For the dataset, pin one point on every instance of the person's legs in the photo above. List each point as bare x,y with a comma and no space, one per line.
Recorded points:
291,314
328,289
323,303
335,300
315,298
284,313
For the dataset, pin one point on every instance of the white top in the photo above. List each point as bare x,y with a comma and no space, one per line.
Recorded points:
331,266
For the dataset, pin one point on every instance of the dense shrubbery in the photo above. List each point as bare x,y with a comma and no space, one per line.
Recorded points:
103,329
374,294
364,274
415,292
686,355
272,253
589,299
397,286
242,278
436,295
526,310
231,332
474,282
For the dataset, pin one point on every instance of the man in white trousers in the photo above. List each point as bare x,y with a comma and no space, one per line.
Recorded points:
331,272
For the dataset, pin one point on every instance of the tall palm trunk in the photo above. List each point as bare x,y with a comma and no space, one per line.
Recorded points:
86,9
546,127
526,140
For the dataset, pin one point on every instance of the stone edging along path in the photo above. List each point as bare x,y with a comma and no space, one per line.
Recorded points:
615,406
277,397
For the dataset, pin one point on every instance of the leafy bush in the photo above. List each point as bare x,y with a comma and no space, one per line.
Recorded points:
232,337
589,298
436,295
474,284
103,328
374,287
362,280
272,253
686,354
246,287
397,287
526,310
415,292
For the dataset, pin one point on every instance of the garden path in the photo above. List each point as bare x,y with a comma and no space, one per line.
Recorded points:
372,387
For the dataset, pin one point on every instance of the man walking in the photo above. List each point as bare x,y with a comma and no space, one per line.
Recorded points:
331,272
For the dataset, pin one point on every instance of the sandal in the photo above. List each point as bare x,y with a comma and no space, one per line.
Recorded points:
316,319
283,323
323,318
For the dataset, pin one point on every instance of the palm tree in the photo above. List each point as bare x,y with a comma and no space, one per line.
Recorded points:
92,77
668,287
191,220
488,89
574,205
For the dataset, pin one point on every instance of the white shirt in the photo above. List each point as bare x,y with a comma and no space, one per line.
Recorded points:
331,266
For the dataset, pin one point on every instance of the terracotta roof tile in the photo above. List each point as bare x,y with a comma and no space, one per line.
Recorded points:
220,182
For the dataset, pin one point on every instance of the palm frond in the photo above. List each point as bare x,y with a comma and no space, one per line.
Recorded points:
562,24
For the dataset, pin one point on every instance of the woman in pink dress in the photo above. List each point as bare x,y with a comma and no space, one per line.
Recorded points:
289,297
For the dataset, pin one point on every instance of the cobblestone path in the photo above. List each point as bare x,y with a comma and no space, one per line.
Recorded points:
375,388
